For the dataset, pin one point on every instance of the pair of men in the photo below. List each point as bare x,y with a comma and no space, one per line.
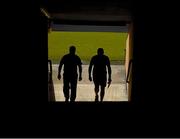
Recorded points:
71,61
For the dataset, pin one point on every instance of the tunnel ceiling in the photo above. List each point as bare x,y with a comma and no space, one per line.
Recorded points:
89,10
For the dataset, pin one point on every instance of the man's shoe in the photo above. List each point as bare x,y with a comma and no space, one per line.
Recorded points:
66,100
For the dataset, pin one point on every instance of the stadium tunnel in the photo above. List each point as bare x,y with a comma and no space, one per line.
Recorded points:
111,16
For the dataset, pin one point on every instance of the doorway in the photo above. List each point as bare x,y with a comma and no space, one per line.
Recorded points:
116,41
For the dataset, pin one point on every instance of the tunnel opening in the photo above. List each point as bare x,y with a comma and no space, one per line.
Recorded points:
114,40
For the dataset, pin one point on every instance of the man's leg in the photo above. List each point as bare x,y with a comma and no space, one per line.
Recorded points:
103,85
66,89
73,89
102,92
96,89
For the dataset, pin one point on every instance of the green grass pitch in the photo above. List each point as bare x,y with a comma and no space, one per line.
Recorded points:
86,44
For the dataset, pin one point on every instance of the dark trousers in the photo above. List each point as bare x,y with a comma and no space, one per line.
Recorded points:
99,81
70,83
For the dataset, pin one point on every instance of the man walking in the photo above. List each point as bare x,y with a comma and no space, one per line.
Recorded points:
99,63
70,61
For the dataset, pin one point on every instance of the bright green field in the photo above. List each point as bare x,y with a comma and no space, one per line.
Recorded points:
86,44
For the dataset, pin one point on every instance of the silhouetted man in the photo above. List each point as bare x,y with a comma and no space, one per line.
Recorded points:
99,63
70,61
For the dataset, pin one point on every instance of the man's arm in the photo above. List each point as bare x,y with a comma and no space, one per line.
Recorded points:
109,70
90,68
60,67
80,70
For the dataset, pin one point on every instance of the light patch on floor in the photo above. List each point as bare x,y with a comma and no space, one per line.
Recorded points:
85,88
85,92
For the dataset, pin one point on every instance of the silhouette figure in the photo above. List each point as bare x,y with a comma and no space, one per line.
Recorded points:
99,63
70,61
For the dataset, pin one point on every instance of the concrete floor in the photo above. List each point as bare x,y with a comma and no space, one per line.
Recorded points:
85,88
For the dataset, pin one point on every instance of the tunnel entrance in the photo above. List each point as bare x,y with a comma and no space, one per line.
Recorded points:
114,40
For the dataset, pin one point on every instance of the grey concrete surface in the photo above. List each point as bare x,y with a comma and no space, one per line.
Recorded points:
85,88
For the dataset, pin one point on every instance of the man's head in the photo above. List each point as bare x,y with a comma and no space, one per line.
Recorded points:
72,50
100,51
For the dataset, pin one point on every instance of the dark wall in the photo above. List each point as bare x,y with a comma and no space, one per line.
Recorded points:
155,52
153,111
155,83
43,56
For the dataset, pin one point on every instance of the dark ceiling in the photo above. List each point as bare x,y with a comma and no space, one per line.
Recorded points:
55,6
89,10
